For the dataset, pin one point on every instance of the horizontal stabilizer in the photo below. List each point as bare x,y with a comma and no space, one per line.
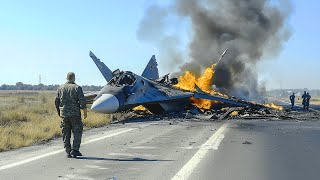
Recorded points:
105,71
151,71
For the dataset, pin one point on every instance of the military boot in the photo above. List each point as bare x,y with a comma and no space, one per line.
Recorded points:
68,153
75,153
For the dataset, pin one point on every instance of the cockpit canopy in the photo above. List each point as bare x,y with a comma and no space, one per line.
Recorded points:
122,78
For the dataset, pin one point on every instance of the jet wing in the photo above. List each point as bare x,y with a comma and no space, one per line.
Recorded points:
151,92
151,71
105,71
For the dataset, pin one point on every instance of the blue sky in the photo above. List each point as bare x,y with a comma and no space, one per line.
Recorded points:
51,38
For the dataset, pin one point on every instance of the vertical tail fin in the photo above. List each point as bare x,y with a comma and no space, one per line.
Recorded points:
105,71
151,70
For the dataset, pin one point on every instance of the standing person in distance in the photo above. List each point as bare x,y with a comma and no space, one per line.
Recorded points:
292,99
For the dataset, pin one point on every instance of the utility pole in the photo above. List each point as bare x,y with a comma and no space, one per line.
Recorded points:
40,79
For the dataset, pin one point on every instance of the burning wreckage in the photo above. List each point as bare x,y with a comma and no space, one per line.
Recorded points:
126,91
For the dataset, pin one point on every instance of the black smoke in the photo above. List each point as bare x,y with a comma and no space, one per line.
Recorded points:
250,29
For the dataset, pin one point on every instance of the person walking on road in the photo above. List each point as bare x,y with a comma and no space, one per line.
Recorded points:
69,100
292,98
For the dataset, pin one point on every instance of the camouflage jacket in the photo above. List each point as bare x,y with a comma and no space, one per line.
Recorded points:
70,100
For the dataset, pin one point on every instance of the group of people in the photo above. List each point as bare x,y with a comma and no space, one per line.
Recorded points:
305,100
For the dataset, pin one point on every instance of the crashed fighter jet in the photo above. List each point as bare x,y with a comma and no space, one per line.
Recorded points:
126,90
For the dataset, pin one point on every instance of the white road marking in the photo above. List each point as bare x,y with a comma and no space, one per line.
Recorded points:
78,177
96,167
62,150
217,142
143,147
213,142
30,159
189,147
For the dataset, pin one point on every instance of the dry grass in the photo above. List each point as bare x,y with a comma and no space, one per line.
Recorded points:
30,118
315,100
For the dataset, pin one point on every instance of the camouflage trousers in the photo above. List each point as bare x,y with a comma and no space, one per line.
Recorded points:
74,125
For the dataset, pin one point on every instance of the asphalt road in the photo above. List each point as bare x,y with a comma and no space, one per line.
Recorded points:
248,150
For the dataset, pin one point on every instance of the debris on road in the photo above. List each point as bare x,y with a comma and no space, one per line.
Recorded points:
247,142
230,111
226,113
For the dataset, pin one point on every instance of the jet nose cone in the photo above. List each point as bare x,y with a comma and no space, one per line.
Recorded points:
107,103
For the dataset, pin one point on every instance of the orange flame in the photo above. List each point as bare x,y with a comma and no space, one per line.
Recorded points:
273,106
139,108
204,82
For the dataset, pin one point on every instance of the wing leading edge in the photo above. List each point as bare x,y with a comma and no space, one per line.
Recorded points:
105,71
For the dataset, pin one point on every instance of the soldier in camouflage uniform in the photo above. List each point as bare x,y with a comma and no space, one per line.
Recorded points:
69,101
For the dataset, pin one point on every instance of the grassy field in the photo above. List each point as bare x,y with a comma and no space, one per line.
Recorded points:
315,100
29,117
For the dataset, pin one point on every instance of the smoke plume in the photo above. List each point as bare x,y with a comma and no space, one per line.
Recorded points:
250,29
